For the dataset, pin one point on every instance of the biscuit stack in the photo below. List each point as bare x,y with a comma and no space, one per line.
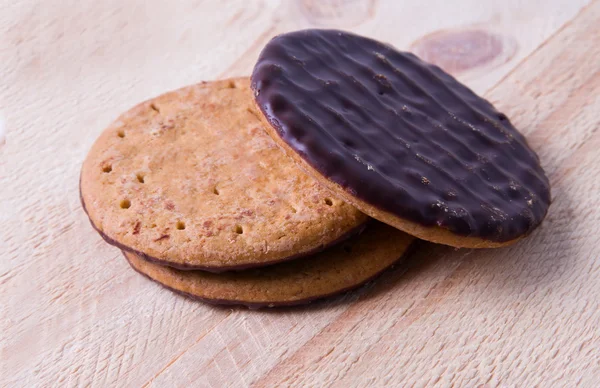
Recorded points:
259,191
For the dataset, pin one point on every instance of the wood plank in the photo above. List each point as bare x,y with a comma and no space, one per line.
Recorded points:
69,304
343,325
72,311
519,26
522,316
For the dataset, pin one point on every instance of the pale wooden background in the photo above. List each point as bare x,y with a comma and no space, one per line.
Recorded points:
73,313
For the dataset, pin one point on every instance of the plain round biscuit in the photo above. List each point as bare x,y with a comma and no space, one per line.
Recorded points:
333,271
190,179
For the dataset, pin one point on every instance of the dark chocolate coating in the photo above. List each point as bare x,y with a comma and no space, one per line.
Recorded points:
400,134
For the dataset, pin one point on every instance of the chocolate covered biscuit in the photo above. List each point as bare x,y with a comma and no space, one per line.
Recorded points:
399,138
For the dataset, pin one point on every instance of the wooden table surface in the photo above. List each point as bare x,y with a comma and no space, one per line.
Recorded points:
73,313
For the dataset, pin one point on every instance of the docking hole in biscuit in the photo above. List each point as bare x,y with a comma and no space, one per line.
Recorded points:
140,177
216,191
121,133
231,85
180,225
328,202
238,229
107,168
154,108
125,204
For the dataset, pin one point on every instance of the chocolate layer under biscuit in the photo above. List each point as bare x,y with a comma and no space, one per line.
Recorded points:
400,134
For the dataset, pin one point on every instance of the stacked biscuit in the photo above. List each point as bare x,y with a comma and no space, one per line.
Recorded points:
259,191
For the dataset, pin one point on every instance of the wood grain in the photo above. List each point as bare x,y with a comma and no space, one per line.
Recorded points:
520,316
72,312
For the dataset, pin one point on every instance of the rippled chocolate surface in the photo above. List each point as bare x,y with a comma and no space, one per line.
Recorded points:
400,134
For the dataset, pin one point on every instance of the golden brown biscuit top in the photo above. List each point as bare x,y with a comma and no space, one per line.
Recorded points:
191,178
